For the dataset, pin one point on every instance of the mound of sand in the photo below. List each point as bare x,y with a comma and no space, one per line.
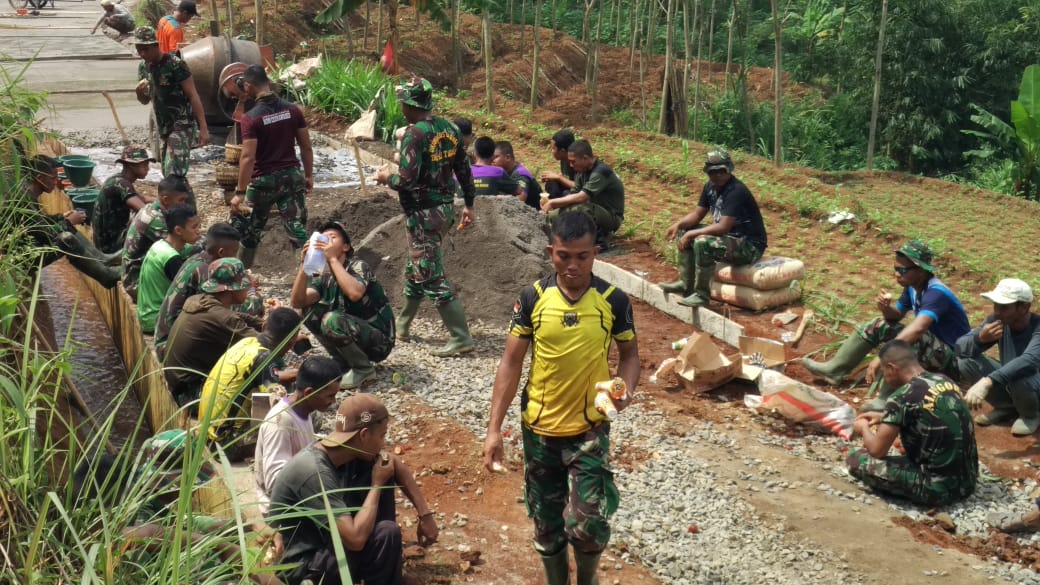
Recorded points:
488,262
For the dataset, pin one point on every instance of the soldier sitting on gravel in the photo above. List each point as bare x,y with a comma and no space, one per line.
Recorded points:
118,198
598,193
349,475
939,320
148,227
58,231
927,414
345,307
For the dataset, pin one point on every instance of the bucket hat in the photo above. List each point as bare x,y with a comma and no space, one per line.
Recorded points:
135,153
226,274
417,93
145,35
919,253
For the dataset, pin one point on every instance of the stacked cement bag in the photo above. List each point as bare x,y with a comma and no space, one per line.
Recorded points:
771,282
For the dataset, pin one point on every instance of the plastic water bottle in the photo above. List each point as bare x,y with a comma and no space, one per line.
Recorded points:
314,261
605,405
606,393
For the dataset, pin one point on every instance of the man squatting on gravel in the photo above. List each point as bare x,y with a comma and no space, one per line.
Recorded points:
570,318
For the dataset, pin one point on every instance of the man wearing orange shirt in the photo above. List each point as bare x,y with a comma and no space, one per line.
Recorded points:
170,28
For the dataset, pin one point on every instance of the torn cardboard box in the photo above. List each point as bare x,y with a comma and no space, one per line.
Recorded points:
759,353
701,366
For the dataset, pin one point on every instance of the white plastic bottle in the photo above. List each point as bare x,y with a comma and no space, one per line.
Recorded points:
314,261
605,405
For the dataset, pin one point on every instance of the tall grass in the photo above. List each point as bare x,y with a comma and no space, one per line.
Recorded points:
347,88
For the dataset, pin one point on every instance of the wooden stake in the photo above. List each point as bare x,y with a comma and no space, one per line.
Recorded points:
360,170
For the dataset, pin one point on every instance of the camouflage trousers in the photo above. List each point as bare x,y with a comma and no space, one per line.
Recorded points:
898,476
932,352
284,189
708,250
176,155
605,220
569,489
338,329
424,272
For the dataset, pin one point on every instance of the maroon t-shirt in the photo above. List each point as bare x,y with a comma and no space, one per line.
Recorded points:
273,123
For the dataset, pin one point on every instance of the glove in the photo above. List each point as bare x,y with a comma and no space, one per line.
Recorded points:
977,393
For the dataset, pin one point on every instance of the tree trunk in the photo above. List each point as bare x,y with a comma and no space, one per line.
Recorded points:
617,28
350,35
729,40
260,22
686,44
779,90
697,86
876,101
489,58
586,36
645,57
512,16
555,19
368,17
379,27
535,33
633,31
456,47
230,20
391,18
711,34
664,120
523,25
595,65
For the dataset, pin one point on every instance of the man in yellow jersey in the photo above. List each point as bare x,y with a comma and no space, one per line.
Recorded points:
569,319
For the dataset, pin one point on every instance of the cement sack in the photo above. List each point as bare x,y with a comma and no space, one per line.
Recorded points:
769,273
754,299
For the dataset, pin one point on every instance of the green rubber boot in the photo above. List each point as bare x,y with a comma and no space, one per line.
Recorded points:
455,320
879,401
85,258
684,285
246,255
361,369
405,317
849,355
588,567
557,571
701,284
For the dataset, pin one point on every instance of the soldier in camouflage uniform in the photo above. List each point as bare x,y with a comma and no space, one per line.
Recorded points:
222,241
930,418
166,82
431,152
345,308
148,227
737,236
118,197
269,172
939,320
570,318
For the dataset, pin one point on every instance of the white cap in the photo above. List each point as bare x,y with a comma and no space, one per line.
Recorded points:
1010,290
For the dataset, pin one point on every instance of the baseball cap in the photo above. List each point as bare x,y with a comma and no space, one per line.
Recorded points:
417,93
338,226
187,7
356,412
226,274
1008,291
107,3
145,35
919,253
135,153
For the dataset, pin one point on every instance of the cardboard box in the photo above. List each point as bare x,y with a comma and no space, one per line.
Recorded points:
770,354
702,366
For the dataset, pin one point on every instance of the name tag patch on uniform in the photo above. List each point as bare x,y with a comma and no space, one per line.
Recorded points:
276,117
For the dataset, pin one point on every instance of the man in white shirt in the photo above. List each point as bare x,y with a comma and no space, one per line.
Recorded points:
287,429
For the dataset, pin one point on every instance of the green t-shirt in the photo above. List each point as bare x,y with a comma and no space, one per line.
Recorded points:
604,188
154,282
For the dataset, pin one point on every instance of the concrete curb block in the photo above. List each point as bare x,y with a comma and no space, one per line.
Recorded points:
651,294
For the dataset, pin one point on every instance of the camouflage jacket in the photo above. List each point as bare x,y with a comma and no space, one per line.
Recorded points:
432,154
147,227
171,105
373,307
112,214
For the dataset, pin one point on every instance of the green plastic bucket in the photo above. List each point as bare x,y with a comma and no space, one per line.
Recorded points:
79,171
66,157
84,199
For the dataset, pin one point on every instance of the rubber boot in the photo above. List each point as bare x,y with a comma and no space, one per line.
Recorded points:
246,255
588,567
701,294
684,285
361,369
1028,406
849,355
557,570
405,317
106,276
879,401
455,320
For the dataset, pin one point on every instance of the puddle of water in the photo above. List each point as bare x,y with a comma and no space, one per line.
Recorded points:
97,368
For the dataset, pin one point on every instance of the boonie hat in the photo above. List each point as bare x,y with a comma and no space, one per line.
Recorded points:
145,35
356,412
417,93
187,7
339,227
919,253
135,153
226,274
1010,290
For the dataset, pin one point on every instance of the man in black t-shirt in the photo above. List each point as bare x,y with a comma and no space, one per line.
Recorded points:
737,235
561,183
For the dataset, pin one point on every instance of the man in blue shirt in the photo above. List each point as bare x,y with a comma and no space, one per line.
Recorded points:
939,320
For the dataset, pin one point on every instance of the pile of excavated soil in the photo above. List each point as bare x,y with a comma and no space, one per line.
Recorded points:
488,262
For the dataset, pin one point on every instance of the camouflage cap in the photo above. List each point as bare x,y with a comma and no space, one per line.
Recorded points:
135,153
339,227
226,274
919,253
417,93
145,35
718,159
